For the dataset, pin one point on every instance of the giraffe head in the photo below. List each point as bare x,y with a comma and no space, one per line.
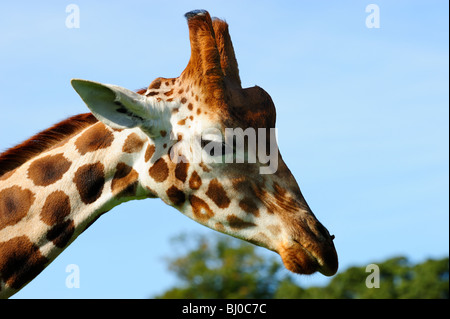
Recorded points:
212,152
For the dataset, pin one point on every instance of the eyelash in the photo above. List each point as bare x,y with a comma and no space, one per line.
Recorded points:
211,152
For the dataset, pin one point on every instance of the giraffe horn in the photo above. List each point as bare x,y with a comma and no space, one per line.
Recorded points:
225,46
204,64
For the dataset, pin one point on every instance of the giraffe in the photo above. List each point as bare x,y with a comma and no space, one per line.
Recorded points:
143,144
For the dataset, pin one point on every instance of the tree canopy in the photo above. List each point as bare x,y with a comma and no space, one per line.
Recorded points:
223,267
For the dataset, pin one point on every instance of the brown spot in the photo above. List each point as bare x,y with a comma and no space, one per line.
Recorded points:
199,111
53,137
274,229
200,209
176,196
90,179
219,227
48,170
152,93
15,203
155,84
125,181
204,167
181,169
183,100
190,106
217,194
195,181
149,152
133,144
182,122
166,83
180,91
61,233
237,223
95,138
163,133
168,93
159,171
56,208
248,205
21,261
245,186
141,91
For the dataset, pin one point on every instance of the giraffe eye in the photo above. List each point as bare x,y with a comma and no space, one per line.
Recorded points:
216,148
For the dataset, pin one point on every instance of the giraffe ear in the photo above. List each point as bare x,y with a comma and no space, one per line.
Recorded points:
115,106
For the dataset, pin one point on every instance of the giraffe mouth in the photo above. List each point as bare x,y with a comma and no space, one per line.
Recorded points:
301,260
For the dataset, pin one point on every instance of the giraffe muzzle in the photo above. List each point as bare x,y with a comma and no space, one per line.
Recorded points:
301,260
310,250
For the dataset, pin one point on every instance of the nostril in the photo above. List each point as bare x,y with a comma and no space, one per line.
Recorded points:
324,232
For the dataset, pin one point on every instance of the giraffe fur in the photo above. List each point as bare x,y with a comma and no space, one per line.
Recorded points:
147,144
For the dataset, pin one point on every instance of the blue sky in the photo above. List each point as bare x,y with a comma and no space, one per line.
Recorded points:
362,117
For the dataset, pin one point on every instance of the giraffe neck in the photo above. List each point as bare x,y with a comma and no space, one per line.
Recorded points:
51,199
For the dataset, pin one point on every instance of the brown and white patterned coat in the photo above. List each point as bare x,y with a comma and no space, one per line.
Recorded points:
151,144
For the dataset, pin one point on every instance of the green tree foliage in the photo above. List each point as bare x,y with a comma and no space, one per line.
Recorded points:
223,267
399,279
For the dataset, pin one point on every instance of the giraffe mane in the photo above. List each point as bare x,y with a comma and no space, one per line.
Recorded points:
20,154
